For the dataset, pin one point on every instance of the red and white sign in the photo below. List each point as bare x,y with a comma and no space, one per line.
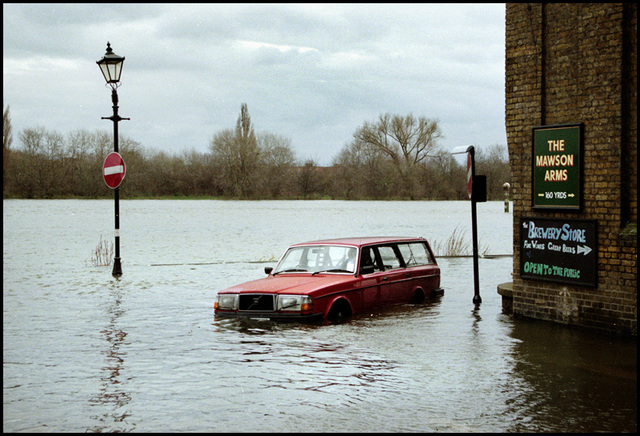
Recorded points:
113,170
469,175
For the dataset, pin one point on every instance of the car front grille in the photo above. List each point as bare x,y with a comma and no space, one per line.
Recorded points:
257,302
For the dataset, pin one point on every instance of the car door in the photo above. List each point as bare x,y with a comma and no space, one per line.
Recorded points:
394,286
371,273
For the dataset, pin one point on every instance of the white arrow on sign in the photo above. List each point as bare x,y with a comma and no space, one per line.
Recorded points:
584,249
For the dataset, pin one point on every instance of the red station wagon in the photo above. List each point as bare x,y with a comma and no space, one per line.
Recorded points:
333,279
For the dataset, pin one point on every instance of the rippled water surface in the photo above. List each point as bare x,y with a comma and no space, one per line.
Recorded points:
85,352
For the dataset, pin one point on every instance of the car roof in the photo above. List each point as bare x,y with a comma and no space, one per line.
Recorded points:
361,241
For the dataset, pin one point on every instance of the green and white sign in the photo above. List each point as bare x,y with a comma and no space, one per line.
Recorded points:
557,167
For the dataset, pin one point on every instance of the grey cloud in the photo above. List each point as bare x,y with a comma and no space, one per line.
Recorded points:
312,73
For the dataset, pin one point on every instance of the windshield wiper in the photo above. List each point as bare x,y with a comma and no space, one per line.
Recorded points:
290,270
331,270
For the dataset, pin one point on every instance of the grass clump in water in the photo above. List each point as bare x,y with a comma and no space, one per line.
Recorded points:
102,254
457,245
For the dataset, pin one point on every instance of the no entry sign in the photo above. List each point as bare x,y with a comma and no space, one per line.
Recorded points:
113,170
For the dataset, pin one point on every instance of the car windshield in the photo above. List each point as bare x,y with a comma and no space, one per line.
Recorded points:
318,259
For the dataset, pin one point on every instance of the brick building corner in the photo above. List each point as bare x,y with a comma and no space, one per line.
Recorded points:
577,63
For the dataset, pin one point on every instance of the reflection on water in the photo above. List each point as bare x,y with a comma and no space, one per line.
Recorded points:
144,352
565,371
113,395
291,357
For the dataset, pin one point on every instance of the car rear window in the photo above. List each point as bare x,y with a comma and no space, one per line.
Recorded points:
415,253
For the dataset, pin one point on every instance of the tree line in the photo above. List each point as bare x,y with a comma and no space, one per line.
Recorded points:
393,157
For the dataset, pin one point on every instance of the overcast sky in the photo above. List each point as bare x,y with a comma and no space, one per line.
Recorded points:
313,73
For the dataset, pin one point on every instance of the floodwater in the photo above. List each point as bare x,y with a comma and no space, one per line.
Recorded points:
85,352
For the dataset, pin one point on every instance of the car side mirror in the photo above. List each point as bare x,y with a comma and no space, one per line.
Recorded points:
367,269
268,269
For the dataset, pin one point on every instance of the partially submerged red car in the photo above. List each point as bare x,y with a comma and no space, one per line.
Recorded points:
333,279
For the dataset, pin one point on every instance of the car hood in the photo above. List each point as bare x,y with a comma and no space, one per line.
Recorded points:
290,284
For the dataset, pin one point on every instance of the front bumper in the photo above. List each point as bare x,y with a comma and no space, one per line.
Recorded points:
284,316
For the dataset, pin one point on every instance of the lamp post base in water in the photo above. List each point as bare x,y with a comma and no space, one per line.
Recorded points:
117,267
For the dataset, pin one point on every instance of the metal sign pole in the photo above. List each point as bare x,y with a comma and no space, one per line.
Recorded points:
471,166
474,228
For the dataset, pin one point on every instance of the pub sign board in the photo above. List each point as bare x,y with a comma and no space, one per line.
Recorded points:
559,250
557,167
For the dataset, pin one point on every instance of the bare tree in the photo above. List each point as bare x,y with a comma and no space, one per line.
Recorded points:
278,161
44,161
238,153
79,143
307,179
136,159
362,171
493,162
407,141
443,178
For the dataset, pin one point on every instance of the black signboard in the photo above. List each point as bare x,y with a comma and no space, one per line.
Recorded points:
559,250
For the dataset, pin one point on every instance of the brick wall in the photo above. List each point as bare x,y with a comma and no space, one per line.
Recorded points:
576,63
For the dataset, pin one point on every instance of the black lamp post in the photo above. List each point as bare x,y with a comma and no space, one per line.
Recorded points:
111,67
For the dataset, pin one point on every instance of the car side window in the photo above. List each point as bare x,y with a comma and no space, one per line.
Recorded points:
368,261
415,253
389,257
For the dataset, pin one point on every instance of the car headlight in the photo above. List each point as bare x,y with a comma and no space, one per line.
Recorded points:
226,302
299,303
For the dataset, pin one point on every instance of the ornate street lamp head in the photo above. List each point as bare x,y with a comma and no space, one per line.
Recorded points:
111,67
